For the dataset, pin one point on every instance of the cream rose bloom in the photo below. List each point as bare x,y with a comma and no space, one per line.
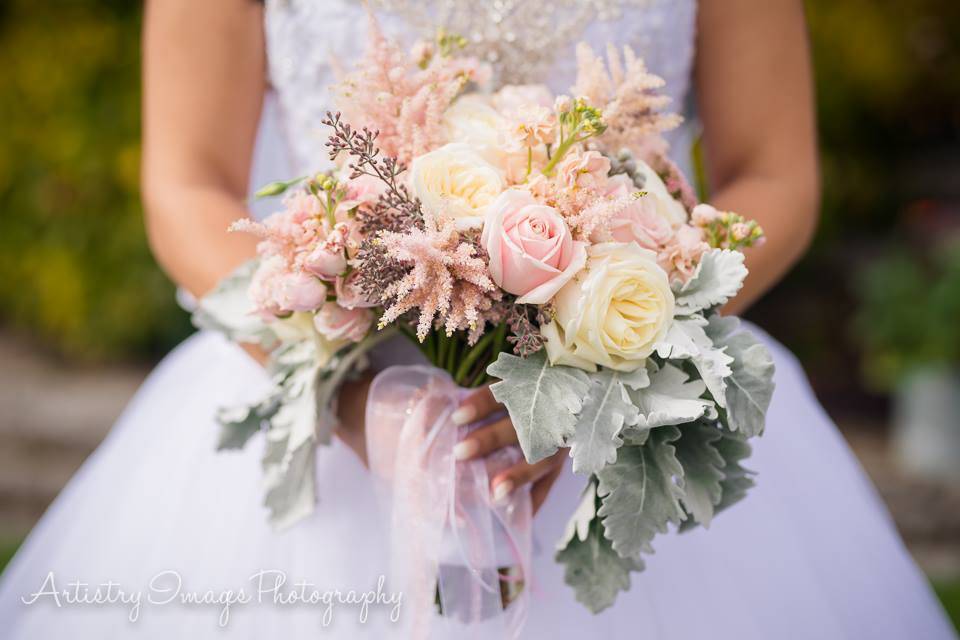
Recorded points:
456,182
473,121
612,315
298,327
666,206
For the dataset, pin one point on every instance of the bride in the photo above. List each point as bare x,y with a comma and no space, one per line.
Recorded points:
159,536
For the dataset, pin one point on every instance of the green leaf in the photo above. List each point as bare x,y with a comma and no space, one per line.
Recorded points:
542,400
639,493
594,570
718,277
702,469
671,398
276,188
749,388
606,409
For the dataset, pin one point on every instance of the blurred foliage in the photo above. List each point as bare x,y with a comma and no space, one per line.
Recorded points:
74,266
76,273
909,313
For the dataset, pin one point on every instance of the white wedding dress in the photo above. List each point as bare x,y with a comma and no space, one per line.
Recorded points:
811,553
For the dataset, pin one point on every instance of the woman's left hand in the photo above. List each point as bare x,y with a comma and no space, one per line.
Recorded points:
485,440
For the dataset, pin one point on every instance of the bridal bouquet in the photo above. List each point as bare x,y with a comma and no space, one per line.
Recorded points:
542,243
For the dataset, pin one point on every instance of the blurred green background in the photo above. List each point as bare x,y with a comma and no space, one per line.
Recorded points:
77,280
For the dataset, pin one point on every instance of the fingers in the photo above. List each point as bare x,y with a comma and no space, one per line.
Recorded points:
486,440
476,406
523,472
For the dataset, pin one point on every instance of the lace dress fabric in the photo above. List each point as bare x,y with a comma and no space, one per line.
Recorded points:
305,37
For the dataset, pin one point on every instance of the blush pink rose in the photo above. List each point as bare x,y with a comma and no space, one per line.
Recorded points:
638,222
339,323
532,253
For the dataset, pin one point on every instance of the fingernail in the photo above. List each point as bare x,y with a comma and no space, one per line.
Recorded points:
462,415
502,490
465,450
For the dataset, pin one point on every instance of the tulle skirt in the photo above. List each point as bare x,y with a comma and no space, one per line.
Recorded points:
159,536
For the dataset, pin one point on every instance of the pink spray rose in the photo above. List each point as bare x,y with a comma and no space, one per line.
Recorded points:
532,253
327,260
639,222
339,323
349,294
300,291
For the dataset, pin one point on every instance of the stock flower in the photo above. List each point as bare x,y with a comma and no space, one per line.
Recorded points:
455,183
587,170
612,315
682,254
335,322
532,253
531,126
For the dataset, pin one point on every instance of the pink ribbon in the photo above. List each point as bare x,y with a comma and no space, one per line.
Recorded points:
447,536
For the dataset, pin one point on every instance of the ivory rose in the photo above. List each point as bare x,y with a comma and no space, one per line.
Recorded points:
334,322
471,120
532,253
666,207
612,315
456,182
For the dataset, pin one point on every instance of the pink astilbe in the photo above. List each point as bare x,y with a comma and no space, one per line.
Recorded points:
447,280
626,93
403,96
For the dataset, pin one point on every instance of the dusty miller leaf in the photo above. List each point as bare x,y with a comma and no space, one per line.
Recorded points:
239,423
687,340
717,278
750,385
702,469
228,309
639,493
595,571
733,448
542,400
586,512
606,409
671,398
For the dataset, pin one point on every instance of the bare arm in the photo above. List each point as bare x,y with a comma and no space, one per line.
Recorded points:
203,85
755,97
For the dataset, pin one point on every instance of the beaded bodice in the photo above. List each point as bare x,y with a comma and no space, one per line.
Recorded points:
525,40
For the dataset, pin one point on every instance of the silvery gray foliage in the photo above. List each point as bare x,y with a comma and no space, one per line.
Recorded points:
671,398
583,516
291,448
733,448
239,423
702,469
749,387
228,309
639,494
543,400
596,572
606,410
687,340
718,277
